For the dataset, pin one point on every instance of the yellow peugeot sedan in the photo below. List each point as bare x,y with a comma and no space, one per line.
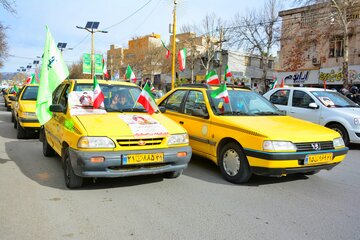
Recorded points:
23,111
118,139
10,92
249,135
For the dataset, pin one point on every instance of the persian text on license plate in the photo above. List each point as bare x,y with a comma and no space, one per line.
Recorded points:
318,158
143,158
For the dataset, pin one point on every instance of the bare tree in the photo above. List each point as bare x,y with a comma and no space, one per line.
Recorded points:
340,13
76,71
8,6
258,32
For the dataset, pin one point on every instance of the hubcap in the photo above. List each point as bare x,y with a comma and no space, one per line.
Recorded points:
231,162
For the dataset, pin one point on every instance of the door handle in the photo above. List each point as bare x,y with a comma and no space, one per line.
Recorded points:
181,122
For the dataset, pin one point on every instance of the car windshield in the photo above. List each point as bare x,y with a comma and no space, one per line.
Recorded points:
243,103
30,93
333,99
117,98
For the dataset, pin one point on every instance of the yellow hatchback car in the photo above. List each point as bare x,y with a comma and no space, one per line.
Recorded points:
249,135
23,111
117,140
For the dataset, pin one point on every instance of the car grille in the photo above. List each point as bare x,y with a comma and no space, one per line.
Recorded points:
311,146
139,142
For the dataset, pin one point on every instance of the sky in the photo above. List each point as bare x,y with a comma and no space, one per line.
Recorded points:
123,19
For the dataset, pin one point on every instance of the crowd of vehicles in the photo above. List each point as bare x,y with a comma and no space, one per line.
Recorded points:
245,135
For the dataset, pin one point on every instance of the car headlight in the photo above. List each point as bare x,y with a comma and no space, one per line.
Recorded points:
95,142
278,146
29,114
338,142
178,139
357,121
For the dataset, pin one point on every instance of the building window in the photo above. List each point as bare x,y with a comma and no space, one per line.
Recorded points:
336,47
307,18
271,64
248,61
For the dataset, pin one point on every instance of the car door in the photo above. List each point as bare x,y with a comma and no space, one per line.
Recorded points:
300,101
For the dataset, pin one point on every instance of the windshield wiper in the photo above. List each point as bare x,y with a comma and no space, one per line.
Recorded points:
267,113
346,106
134,110
113,110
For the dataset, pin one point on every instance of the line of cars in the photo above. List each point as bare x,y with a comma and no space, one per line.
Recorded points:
246,136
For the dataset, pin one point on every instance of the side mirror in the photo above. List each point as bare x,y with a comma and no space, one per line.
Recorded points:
162,109
313,105
57,108
282,112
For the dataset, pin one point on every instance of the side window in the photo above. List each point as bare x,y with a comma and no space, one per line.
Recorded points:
195,104
173,102
64,96
57,93
301,99
280,97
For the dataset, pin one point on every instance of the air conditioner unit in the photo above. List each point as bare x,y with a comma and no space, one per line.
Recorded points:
315,61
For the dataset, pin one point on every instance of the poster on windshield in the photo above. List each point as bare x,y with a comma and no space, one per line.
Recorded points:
81,103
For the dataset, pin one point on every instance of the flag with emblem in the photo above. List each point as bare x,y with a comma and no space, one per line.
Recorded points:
212,78
227,72
129,74
182,59
146,99
98,95
105,71
273,85
53,72
167,50
221,92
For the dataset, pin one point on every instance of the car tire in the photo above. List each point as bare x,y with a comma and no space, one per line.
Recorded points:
21,132
15,123
233,164
48,151
71,180
8,108
340,129
174,174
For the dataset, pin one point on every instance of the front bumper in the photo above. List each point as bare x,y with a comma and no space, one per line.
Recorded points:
113,166
280,164
29,123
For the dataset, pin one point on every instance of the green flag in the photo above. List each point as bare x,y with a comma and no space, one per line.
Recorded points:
53,72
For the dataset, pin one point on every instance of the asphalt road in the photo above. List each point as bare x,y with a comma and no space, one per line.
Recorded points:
35,204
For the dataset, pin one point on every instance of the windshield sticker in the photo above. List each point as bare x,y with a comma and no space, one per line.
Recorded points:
143,126
326,101
81,103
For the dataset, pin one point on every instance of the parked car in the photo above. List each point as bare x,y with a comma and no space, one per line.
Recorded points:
8,93
111,141
325,107
249,135
23,111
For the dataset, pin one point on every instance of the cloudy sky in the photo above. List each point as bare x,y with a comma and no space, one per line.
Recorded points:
123,19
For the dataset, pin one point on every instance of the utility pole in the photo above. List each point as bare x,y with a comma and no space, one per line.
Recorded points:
173,48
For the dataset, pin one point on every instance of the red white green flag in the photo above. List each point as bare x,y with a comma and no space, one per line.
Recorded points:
129,74
105,72
227,72
221,92
274,83
98,95
147,99
212,78
182,59
167,50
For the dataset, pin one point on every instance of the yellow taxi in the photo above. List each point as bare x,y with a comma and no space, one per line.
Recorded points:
23,111
249,135
10,92
115,140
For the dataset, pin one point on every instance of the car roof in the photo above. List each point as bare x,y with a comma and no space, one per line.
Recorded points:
304,88
100,81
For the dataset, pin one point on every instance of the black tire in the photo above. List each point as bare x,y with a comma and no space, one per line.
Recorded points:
71,180
12,116
8,108
21,132
312,172
15,123
340,129
174,174
233,164
48,151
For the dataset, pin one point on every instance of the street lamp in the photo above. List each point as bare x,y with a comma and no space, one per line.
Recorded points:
173,47
92,27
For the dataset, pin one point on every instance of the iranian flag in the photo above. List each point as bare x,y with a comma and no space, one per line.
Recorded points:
147,99
274,83
129,74
182,59
98,95
221,92
212,78
167,50
227,72
105,72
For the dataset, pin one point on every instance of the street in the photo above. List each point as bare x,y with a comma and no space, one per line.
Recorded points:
200,204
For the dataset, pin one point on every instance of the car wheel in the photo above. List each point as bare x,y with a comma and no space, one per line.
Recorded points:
8,108
71,180
340,129
21,132
174,174
48,151
15,123
233,164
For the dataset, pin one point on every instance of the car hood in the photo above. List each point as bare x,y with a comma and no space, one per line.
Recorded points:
28,106
116,124
355,112
282,128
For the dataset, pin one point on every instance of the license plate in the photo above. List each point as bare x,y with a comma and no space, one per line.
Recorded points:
318,158
143,158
